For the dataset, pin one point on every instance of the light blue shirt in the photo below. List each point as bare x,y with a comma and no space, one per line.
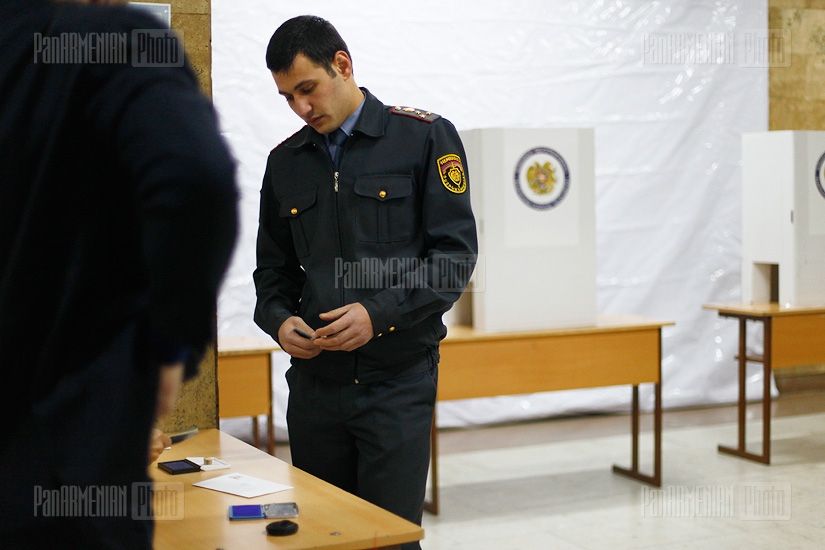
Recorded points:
346,126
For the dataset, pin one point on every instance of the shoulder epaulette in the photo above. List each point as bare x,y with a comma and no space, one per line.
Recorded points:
426,116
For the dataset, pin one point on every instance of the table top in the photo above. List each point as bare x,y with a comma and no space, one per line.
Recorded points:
764,309
604,323
245,345
329,518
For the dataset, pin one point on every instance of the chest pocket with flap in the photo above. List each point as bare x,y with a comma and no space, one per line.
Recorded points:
300,210
385,208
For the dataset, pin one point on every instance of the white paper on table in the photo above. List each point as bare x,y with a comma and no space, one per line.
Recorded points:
217,463
242,485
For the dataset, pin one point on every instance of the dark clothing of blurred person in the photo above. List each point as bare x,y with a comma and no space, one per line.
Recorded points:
117,221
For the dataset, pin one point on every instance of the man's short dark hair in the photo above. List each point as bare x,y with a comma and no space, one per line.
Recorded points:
309,35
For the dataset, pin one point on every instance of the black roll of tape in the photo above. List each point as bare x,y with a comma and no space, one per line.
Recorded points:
282,528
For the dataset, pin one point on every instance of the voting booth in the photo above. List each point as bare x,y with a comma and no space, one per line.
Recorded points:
533,195
783,217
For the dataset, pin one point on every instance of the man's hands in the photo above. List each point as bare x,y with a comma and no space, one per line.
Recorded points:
295,344
350,328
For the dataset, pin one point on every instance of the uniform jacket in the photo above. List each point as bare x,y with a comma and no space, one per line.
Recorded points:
392,229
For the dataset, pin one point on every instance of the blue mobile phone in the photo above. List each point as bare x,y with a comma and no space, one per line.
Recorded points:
246,511
260,511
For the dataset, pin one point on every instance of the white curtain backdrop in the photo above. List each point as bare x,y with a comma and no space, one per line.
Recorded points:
669,87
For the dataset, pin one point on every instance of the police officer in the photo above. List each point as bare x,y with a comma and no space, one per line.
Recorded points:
366,237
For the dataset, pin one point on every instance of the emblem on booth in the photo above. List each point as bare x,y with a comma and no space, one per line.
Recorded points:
542,178
819,176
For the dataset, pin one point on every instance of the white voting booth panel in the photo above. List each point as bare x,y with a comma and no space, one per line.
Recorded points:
783,217
533,195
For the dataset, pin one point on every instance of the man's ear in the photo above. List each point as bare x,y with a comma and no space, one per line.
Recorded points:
342,64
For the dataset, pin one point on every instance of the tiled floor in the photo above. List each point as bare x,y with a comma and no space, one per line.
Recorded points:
549,485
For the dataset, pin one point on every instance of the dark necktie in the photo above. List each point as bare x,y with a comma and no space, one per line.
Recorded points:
338,137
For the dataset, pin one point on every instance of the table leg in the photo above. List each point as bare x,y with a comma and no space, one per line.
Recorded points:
270,415
741,449
634,429
255,437
766,391
271,433
633,472
657,434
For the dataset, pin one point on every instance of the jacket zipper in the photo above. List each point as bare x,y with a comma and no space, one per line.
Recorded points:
340,246
338,222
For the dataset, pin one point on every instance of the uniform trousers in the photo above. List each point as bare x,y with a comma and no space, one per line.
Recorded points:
372,440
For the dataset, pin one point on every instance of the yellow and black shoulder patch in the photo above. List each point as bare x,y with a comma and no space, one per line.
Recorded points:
426,116
452,173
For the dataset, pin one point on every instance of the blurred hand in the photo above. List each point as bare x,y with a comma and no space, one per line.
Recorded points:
171,381
157,443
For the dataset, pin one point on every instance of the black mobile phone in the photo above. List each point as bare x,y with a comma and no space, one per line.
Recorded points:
176,467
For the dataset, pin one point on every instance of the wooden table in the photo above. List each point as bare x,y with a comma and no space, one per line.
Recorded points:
245,381
793,336
329,518
617,350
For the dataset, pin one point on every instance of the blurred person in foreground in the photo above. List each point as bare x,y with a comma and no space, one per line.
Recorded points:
117,221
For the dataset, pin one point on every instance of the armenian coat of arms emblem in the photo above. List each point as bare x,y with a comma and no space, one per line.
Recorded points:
542,178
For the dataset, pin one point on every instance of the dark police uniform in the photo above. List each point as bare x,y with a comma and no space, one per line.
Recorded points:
392,229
